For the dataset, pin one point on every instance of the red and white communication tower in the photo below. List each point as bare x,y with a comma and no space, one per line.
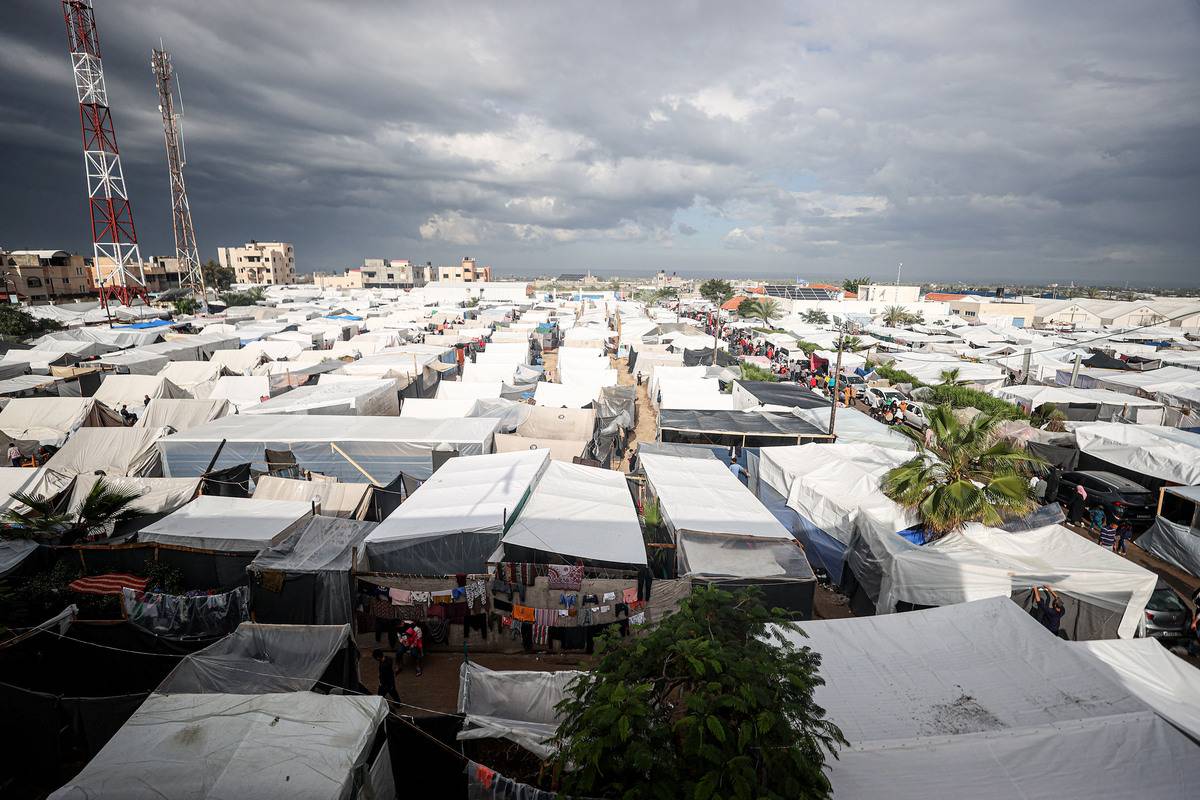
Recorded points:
114,238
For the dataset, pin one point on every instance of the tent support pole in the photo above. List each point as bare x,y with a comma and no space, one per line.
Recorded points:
213,462
354,464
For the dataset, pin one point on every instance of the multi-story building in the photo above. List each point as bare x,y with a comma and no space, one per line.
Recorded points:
41,276
398,273
466,272
262,263
349,279
892,294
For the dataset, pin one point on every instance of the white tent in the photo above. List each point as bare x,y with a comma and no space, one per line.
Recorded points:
114,451
979,700
517,705
980,562
333,498
34,421
201,746
454,521
852,425
132,390
242,391
133,362
377,449
457,390
428,408
229,524
365,397
556,395
1150,672
182,415
239,362
559,449
1167,453
196,377
1030,397
155,495
579,512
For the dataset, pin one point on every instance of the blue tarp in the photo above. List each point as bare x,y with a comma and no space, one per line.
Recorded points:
141,326
914,535
348,317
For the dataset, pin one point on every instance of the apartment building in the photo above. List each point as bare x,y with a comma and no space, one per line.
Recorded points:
45,275
394,273
261,263
349,279
889,293
466,272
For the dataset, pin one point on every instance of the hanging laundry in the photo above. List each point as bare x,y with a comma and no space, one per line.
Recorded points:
523,613
609,596
565,577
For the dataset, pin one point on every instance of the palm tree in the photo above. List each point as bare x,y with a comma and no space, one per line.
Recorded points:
852,284
815,316
851,343
894,315
763,308
1048,417
962,473
949,376
103,506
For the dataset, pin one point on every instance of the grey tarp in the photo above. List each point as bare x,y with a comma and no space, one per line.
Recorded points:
182,414
257,658
323,549
1174,543
737,422
793,395
514,705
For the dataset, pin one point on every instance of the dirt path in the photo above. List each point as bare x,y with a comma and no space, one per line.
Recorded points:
646,429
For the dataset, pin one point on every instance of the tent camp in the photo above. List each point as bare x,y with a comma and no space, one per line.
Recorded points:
194,377
114,451
33,422
315,563
332,498
454,521
457,390
229,524
182,415
979,695
118,390
577,513
199,746
1087,405
724,535
351,449
818,493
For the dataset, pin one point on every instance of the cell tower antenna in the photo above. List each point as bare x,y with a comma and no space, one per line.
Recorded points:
116,258
191,274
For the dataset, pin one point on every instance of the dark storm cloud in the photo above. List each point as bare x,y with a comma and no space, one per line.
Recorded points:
980,139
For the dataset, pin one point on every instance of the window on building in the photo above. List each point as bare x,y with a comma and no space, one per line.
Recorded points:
33,283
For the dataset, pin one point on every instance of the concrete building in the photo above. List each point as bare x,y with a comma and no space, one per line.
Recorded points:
888,293
466,272
349,279
397,273
42,276
989,311
262,263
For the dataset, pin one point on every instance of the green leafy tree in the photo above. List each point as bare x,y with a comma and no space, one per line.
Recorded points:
962,473
1048,417
186,305
716,291
104,506
18,323
713,703
216,276
666,293
246,298
763,308
949,377
815,316
752,372
852,284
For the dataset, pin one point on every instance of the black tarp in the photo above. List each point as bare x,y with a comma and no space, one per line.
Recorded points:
1104,361
741,423
704,357
792,395
229,482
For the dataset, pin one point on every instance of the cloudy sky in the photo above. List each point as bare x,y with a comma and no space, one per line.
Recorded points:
1048,140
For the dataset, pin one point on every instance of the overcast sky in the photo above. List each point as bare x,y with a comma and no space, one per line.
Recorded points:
980,140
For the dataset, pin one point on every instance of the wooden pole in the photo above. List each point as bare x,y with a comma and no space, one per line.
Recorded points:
837,373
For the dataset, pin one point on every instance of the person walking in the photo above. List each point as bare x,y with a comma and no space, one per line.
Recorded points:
14,455
387,675
1078,505
1124,534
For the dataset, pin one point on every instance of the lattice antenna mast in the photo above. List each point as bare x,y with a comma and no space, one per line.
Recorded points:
190,272
114,239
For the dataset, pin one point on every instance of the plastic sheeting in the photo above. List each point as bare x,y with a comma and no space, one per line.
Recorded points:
382,447
35,421
515,705
182,415
979,695
454,521
355,398
195,377
333,498
560,423
1174,543
229,524
556,395
1163,681
980,562
1166,453
566,450
243,392
114,451
454,390
199,746
118,390
155,495
579,512
739,423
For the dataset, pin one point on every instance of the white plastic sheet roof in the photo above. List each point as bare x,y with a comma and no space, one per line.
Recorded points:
1032,396
701,495
516,705
455,390
205,746
980,562
115,451
429,408
132,390
182,415
361,397
1150,672
242,391
580,512
333,498
155,495
830,485
229,524
50,420
980,698
1157,450
556,395
852,425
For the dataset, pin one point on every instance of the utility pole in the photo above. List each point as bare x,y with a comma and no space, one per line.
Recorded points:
114,237
1075,370
837,374
1025,367
186,252
898,268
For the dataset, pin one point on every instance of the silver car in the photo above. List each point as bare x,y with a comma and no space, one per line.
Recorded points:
1167,615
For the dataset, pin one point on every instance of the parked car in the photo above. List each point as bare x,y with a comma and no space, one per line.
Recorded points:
876,396
1122,499
854,381
1167,615
914,416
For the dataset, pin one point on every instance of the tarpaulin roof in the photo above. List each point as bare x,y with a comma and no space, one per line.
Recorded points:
229,524
118,390
980,695
155,495
333,498
50,420
1163,452
516,705
206,746
322,544
737,422
1150,672
560,449
580,512
792,395
359,397
115,451
182,414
